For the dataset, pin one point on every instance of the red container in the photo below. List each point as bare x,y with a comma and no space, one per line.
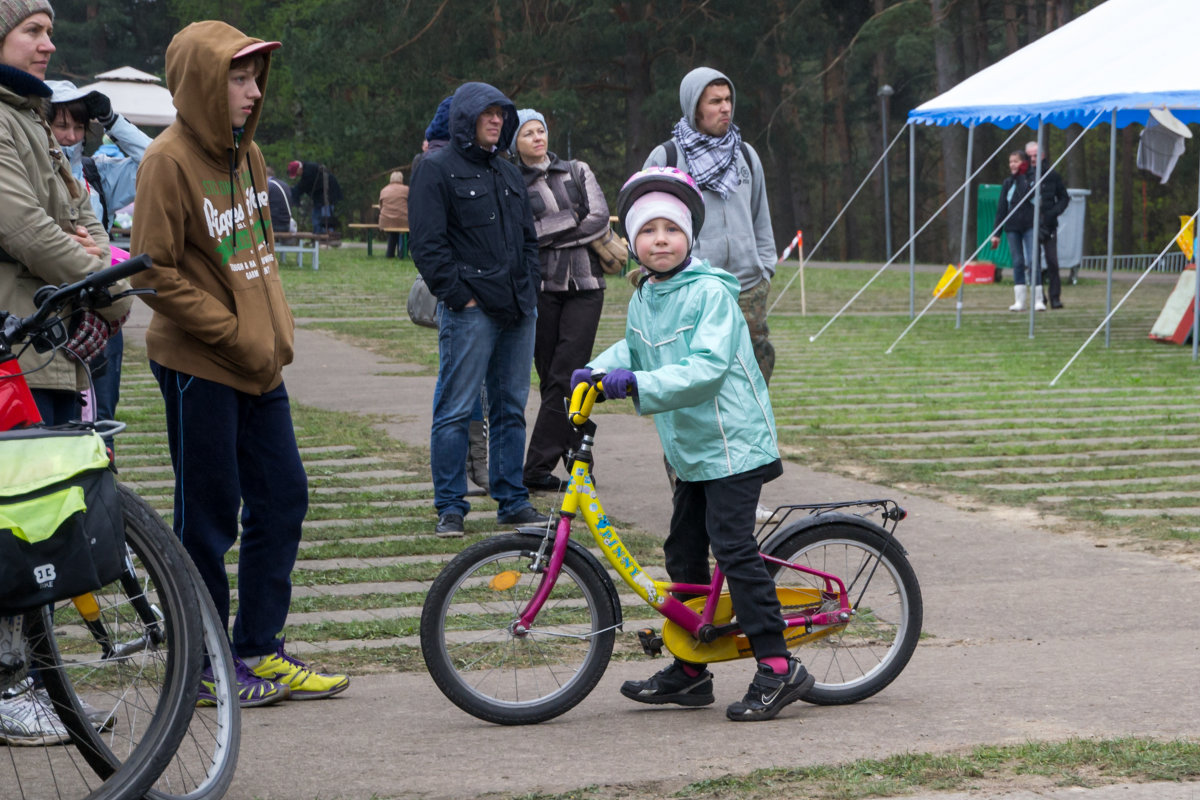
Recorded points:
979,272
17,408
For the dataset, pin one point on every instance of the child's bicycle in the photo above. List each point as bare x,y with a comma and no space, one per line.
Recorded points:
120,663
519,628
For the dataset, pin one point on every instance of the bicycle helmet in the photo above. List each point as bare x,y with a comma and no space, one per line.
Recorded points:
670,180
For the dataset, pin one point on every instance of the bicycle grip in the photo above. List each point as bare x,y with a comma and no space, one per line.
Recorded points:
110,275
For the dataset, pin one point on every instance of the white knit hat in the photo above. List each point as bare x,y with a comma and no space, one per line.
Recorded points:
654,205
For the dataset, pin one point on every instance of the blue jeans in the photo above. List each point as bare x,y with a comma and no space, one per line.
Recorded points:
108,384
1020,246
474,349
232,452
321,216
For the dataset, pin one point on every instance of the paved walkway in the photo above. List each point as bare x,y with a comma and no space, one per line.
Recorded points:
1028,635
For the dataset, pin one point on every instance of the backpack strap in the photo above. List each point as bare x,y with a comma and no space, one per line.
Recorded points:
92,175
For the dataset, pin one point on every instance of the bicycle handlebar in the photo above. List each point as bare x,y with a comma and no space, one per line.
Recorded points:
585,395
85,292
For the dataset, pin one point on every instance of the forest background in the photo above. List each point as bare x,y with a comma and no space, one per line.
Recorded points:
357,81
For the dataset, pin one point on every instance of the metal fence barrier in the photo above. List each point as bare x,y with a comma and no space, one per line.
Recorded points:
1171,262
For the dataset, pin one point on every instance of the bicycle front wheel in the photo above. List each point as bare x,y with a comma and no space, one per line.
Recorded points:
859,660
496,673
124,675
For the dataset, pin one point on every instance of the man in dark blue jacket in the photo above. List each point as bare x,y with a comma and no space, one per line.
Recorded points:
474,243
1055,200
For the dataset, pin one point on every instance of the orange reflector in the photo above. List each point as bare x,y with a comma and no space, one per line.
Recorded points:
505,580
87,606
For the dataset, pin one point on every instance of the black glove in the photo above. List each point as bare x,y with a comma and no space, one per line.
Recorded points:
99,108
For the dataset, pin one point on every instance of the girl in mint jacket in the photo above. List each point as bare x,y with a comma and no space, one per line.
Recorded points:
687,359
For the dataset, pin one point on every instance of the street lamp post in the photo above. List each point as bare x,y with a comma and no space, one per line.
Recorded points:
885,94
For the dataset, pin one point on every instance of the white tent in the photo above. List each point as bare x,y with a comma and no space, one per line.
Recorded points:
1125,56
136,95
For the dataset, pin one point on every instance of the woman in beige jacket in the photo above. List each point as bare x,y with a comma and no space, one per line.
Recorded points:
48,232
393,213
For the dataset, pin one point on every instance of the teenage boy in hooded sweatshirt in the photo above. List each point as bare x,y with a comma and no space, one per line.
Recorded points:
219,339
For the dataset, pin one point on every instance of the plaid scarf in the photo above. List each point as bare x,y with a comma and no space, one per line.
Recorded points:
713,162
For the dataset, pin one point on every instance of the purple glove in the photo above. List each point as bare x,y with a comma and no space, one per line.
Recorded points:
619,384
89,337
580,376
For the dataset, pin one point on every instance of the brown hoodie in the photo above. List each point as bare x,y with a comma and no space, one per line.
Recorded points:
203,216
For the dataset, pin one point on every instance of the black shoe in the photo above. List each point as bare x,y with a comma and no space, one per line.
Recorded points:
526,516
450,525
1056,303
769,693
545,483
672,685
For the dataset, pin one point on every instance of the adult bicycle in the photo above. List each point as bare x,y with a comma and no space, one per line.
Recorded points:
121,663
519,628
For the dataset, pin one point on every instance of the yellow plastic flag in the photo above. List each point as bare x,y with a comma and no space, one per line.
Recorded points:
949,283
1186,236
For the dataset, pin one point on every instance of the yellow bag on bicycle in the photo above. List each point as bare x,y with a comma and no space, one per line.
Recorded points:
61,527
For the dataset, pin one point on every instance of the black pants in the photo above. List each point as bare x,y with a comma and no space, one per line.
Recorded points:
397,245
1050,274
566,331
719,514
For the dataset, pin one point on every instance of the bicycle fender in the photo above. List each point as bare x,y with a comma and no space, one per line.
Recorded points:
828,518
538,533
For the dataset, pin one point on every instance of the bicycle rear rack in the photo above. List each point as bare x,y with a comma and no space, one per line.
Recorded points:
890,513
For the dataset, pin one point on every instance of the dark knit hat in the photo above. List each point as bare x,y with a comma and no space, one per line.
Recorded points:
439,128
13,12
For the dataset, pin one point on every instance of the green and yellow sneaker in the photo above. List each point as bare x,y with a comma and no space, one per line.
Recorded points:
305,684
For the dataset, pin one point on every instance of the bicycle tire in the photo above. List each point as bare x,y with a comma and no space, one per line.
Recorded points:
147,686
872,650
496,675
204,764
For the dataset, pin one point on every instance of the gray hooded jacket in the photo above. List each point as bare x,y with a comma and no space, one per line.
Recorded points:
737,233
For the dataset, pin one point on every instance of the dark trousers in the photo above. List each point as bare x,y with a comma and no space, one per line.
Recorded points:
566,331
719,514
397,245
57,407
230,449
1050,266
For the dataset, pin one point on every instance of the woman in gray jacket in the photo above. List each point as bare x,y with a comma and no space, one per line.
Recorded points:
569,211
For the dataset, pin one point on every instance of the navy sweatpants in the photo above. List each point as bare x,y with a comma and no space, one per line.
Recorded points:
230,449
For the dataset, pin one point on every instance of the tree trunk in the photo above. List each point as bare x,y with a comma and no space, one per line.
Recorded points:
953,136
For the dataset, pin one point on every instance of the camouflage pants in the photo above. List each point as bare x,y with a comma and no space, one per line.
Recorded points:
754,308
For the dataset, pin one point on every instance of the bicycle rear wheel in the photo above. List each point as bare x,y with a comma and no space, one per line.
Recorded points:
496,674
135,660
205,761
859,660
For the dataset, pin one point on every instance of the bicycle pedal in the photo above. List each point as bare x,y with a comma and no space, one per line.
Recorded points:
652,643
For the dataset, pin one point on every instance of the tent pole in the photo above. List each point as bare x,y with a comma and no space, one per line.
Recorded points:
962,247
1034,276
912,221
1112,206
1196,299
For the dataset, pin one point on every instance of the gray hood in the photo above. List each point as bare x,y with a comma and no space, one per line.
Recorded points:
694,84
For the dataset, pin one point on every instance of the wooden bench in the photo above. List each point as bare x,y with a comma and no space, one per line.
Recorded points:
371,227
300,244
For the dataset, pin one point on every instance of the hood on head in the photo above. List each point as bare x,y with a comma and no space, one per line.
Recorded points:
198,60
692,87
468,103
439,126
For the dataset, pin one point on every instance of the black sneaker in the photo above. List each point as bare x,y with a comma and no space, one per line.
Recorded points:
450,525
770,692
545,483
526,516
672,685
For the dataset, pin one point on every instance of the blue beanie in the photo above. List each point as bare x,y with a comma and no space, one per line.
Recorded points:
525,115
439,128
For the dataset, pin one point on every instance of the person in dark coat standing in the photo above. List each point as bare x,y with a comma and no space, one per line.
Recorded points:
1014,211
1055,200
474,243
316,181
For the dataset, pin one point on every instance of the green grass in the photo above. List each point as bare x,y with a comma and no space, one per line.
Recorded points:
1081,763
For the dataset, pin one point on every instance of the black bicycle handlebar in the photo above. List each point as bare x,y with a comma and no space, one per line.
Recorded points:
50,300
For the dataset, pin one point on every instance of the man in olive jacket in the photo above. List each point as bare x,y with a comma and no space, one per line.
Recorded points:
474,243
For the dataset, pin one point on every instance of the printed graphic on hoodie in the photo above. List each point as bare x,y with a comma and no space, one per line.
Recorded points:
229,229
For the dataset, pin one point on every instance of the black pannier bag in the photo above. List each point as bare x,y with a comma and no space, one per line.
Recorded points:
61,528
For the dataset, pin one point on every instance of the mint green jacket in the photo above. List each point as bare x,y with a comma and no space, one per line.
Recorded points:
688,346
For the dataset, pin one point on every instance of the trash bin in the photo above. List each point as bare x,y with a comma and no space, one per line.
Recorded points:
987,198
1070,232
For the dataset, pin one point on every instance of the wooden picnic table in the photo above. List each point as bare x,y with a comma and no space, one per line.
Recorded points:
371,227
300,243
